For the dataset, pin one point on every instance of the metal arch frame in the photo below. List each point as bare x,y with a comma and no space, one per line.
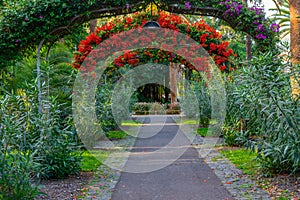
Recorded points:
94,14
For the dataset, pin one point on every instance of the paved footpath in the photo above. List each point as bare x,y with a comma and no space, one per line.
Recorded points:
155,174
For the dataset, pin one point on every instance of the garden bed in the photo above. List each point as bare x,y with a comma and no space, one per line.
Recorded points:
69,188
283,187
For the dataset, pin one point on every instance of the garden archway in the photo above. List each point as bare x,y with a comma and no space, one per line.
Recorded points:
25,24
206,36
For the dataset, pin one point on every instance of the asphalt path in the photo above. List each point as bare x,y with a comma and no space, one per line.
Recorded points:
164,166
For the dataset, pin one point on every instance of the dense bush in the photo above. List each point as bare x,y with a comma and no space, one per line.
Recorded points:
103,107
203,98
189,103
157,108
263,114
141,108
57,148
17,164
33,145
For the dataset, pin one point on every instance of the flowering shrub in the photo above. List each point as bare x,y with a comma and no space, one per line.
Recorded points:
233,8
205,35
259,27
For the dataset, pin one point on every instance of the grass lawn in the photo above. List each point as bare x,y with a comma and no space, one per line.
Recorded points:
92,160
131,123
116,135
202,131
194,121
280,187
243,159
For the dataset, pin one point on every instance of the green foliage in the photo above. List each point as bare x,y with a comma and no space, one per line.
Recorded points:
263,113
116,135
51,138
57,151
189,104
282,15
103,107
122,102
141,108
203,99
17,163
156,108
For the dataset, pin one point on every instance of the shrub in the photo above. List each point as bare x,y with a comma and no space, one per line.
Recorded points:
141,107
261,93
189,104
122,102
103,107
156,108
57,149
17,164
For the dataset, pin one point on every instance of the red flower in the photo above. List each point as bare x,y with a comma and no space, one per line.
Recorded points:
222,67
209,39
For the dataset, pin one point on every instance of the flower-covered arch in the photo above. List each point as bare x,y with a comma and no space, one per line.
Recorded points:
24,24
206,36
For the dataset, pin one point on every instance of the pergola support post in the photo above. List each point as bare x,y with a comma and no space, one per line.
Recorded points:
38,74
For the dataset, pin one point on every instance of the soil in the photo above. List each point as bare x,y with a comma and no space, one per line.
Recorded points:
64,189
279,186
287,186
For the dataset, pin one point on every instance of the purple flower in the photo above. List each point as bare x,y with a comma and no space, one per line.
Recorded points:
227,11
275,27
26,19
256,22
261,36
41,17
258,11
261,28
233,8
187,5
127,5
17,41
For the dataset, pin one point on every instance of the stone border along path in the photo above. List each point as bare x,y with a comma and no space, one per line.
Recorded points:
239,185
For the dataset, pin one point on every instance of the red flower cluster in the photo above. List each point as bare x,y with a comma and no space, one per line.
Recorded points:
201,32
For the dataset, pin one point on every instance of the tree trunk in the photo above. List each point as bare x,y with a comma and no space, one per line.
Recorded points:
295,39
173,83
248,47
93,24
248,42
